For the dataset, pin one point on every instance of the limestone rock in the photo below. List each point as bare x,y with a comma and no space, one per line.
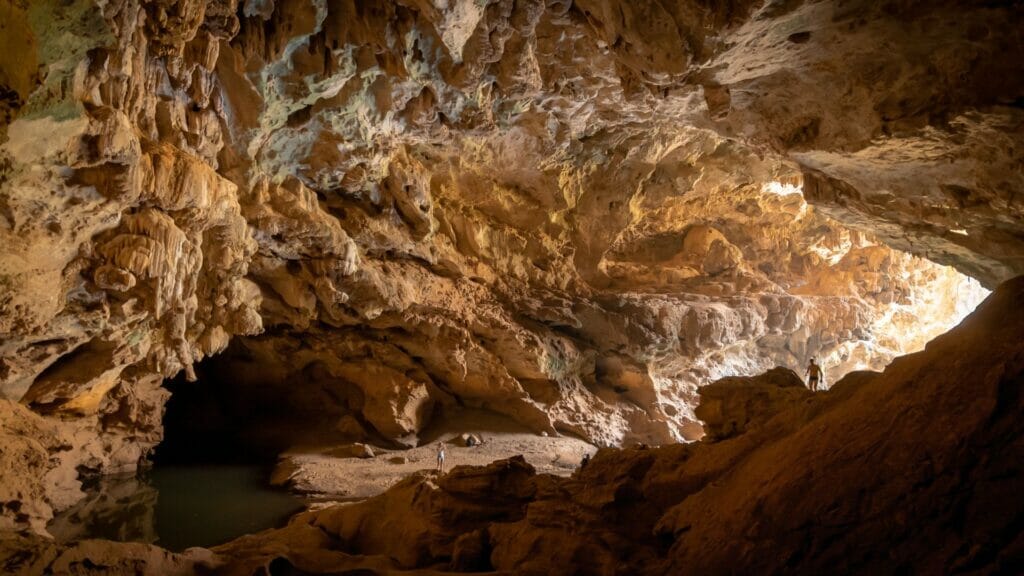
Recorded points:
42,463
356,450
418,521
28,555
730,406
25,461
884,461
470,439
571,213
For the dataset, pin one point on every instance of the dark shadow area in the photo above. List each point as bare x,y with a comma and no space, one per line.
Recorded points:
209,482
246,409
177,507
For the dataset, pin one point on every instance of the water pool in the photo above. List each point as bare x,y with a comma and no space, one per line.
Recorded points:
178,507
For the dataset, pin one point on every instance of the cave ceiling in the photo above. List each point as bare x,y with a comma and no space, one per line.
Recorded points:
571,213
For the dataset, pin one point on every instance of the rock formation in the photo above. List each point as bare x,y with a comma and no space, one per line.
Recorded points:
914,469
33,554
731,406
571,213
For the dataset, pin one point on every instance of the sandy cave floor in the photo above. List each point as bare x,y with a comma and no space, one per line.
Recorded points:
312,471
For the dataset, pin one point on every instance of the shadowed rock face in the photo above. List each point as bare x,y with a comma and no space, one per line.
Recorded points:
915,469
571,213
730,406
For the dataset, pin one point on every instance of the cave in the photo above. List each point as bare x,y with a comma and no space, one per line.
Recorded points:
241,411
674,287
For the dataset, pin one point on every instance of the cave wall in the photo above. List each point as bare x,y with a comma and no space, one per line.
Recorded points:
912,470
570,213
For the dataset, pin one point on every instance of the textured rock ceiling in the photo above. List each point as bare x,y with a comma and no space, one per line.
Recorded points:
573,213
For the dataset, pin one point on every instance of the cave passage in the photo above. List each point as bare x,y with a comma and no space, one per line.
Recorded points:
515,287
209,479
240,412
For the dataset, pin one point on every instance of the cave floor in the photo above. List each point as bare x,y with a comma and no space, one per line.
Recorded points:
313,471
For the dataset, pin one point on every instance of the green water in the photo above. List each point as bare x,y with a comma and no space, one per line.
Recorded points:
178,507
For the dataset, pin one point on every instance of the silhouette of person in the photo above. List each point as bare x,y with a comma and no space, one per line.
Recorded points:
585,461
813,375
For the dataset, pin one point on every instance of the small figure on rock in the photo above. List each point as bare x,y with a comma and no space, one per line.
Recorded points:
813,375
440,457
585,461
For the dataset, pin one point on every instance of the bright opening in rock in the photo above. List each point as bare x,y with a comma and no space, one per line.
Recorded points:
933,299
782,189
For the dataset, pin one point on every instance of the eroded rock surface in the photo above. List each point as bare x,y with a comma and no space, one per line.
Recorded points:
732,405
30,555
916,468
570,213
42,461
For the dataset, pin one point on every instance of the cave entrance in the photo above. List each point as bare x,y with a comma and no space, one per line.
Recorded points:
248,406
875,302
210,477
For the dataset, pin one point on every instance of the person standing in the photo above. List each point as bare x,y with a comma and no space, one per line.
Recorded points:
440,457
813,375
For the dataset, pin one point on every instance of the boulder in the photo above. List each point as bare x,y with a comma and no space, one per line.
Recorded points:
470,439
730,406
356,450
